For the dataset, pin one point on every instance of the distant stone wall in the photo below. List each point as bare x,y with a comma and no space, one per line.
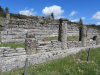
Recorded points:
56,45
15,30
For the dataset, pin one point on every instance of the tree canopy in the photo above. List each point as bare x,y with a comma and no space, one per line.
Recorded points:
7,10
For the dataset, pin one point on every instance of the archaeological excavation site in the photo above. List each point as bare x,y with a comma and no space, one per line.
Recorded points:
43,41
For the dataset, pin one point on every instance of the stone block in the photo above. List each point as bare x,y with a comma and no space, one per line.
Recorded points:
17,29
14,26
20,40
22,33
20,26
8,29
18,36
20,48
12,33
25,27
15,54
3,32
30,35
4,40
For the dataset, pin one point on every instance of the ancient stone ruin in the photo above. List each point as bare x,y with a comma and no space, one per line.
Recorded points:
32,31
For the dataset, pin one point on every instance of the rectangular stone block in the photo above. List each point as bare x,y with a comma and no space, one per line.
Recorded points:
14,26
4,48
8,29
17,40
3,36
20,48
17,29
3,32
26,27
4,40
20,26
18,36
20,51
6,37
15,54
22,33
12,33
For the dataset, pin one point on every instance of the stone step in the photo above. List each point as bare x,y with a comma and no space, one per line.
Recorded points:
20,48
13,40
15,54
2,48
42,51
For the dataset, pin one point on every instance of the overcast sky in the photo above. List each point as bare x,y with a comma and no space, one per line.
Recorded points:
87,10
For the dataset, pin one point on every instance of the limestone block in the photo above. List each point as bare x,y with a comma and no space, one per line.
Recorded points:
14,26
30,35
15,54
17,29
18,36
12,51
22,33
20,26
26,27
20,40
12,33
3,36
3,32
4,40
8,29
20,50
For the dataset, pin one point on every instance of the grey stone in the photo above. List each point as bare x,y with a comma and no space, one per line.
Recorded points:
3,32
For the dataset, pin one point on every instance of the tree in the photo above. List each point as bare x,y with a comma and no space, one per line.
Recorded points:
7,10
52,14
80,22
1,9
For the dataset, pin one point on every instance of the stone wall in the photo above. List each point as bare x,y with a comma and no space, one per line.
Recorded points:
56,45
16,30
41,46
9,63
9,52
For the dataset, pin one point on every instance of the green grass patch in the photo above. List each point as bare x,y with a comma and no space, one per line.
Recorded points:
13,45
73,38
0,39
65,66
2,20
69,38
50,38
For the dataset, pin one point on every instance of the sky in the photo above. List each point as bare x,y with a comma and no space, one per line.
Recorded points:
74,10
